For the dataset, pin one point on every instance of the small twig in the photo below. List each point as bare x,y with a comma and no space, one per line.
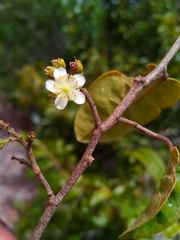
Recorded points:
92,105
29,153
12,139
36,170
17,136
21,161
147,131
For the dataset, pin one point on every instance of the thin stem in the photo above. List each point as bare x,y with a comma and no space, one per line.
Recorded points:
36,170
21,161
92,106
147,131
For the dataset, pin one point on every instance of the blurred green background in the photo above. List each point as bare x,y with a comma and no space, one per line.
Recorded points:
118,34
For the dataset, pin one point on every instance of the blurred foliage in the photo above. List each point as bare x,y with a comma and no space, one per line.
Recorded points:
104,35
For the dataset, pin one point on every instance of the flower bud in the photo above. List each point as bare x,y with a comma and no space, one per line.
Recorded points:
31,135
49,71
59,62
76,67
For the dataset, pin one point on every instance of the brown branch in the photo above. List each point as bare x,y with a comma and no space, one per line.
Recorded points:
29,153
11,131
162,66
36,170
92,105
147,131
21,161
139,84
84,163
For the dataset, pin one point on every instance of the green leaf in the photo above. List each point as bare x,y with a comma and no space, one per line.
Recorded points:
163,210
109,90
151,161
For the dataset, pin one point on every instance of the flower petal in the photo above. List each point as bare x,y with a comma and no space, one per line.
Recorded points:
80,79
60,72
77,97
60,102
50,86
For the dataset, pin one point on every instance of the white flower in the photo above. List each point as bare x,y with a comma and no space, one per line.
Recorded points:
65,88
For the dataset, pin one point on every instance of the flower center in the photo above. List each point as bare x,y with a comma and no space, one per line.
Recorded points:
66,88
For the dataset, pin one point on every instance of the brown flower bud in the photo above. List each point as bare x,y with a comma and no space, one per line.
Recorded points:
76,66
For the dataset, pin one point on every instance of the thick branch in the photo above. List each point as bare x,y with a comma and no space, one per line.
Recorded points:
159,70
139,84
84,163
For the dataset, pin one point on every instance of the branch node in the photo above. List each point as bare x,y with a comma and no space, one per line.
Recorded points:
166,75
139,78
4,125
51,200
36,169
90,159
30,138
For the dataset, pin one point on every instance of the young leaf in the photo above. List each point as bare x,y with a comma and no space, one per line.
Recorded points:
163,210
109,90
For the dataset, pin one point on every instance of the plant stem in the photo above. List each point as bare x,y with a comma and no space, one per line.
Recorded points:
147,131
100,128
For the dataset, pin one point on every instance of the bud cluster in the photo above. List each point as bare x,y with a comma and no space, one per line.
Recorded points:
75,67
64,87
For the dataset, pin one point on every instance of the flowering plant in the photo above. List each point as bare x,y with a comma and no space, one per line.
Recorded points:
65,87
